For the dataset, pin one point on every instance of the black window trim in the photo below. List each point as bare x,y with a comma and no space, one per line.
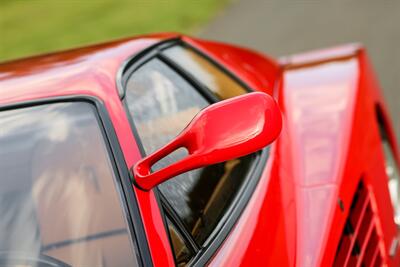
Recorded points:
188,77
122,181
227,222
229,73
173,216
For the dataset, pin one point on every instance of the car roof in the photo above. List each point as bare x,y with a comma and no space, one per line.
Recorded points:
83,71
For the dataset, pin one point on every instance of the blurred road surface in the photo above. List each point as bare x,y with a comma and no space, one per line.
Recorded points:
283,27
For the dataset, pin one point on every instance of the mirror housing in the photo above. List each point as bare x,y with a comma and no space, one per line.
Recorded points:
223,131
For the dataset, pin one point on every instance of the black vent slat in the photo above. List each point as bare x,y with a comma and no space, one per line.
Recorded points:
371,250
359,244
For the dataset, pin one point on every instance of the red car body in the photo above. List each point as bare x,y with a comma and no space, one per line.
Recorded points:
329,144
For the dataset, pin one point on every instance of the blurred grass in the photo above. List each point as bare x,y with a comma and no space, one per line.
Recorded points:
38,26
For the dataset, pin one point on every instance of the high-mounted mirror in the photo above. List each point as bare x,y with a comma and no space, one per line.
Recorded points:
225,130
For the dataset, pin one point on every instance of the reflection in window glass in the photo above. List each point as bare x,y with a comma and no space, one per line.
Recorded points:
57,194
162,104
393,173
181,250
220,83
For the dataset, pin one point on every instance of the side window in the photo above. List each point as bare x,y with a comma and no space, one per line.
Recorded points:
392,170
58,200
161,104
393,173
222,85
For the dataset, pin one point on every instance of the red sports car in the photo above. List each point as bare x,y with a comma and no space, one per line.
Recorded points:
168,150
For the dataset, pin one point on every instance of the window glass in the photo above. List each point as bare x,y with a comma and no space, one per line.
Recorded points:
181,250
58,200
203,70
161,104
391,167
393,173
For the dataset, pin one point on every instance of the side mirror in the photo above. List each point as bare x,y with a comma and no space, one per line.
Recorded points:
225,130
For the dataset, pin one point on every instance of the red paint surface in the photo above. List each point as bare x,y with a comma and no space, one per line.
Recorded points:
328,100
329,141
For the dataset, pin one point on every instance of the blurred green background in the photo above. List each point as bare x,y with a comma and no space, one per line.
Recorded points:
29,27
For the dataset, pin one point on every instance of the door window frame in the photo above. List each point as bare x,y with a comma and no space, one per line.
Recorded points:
123,182
204,253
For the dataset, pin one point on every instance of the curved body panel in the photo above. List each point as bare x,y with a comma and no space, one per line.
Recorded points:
329,145
299,210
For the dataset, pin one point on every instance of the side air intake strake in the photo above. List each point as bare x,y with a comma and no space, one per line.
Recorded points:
359,244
